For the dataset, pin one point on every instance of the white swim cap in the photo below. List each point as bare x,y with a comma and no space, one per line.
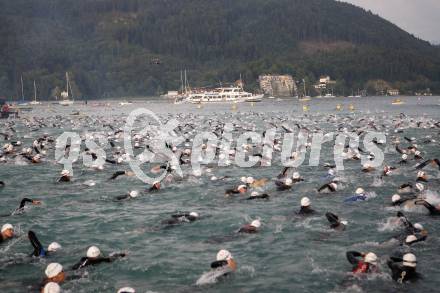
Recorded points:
417,153
256,223
410,238
420,174
404,156
331,172
334,185
418,226
65,172
194,214
52,287
126,290
395,198
53,269
360,191
54,246
420,186
93,252
250,180
410,260
223,255
371,258
305,202
288,182
214,178
295,175
6,227
134,193
241,186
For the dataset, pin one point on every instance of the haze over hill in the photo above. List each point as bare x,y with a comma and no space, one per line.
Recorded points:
139,47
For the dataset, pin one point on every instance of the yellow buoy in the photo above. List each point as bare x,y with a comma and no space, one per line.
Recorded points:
339,107
234,107
351,107
305,108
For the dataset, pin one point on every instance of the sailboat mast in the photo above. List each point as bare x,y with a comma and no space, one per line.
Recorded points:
22,88
67,83
35,91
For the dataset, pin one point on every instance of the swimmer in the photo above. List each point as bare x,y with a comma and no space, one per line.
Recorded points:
120,173
65,176
366,168
296,177
433,211
367,263
398,200
93,257
404,159
359,196
422,177
329,187
284,184
335,223
224,261
54,273
7,232
181,218
129,195
433,162
241,189
155,187
405,272
256,195
250,228
305,209
38,247
23,202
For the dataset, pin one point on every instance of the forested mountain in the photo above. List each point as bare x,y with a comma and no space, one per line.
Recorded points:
139,47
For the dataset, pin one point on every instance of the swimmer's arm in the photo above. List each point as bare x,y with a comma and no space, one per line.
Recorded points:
82,263
122,197
36,244
24,201
352,257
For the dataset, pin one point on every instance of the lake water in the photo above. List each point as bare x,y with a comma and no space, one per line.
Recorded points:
289,254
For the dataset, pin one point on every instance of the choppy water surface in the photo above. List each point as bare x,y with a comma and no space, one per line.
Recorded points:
288,255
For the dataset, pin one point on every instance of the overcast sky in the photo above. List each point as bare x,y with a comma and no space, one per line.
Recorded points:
419,17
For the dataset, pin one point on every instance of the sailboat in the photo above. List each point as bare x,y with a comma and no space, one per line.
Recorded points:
65,95
35,102
23,103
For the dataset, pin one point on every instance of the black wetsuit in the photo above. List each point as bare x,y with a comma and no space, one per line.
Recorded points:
179,218
232,191
260,196
248,229
403,200
86,261
38,247
334,222
218,264
64,179
401,273
305,211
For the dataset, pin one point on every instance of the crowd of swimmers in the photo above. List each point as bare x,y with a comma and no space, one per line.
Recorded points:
402,267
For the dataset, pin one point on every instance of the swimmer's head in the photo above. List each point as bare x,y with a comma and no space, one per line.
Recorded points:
288,182
395,198
418,226
305,202
410,239
134,193
54,246
420,187
256,224
254,193
7,231
54,271
250,180
242,188
295,175
371,258
223,255
360,191
52,287
65,173
194,214
334,185
409,260
93,252
404,157
156,184
243,179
